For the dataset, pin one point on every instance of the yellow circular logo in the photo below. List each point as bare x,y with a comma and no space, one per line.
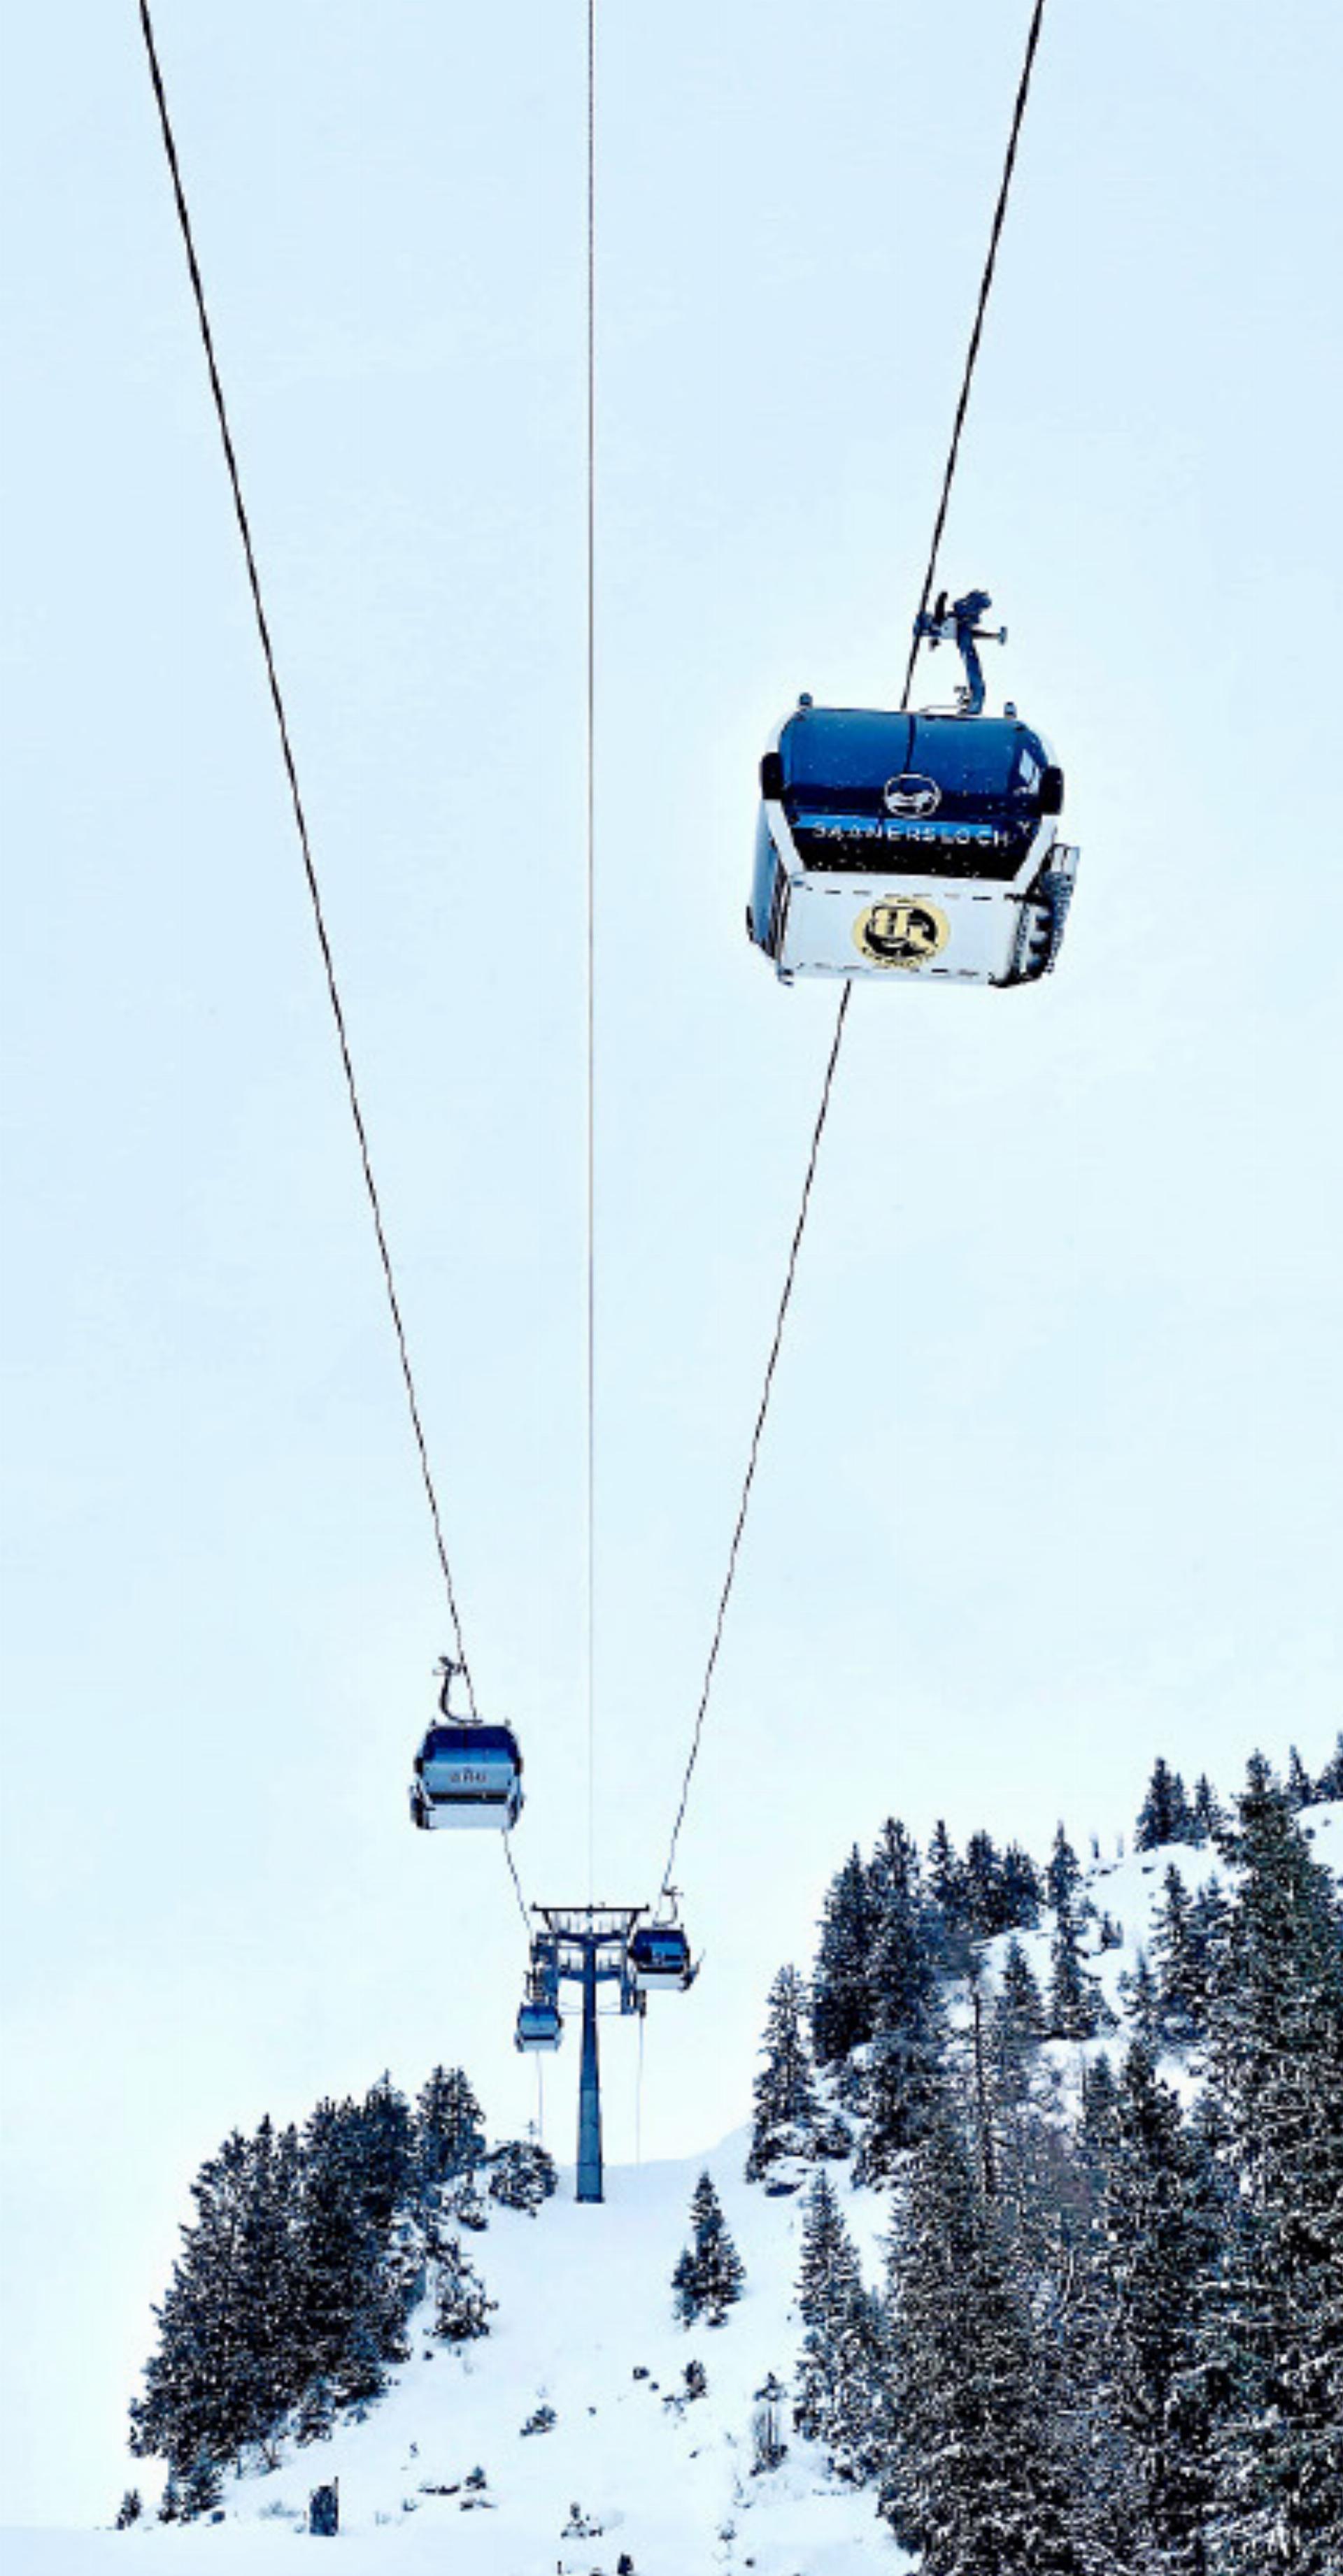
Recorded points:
898,932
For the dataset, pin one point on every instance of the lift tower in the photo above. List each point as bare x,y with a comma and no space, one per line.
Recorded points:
588,1946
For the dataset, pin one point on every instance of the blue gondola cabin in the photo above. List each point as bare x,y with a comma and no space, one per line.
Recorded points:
659,1958
467,1774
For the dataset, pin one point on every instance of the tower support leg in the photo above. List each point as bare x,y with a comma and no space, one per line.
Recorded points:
590,2090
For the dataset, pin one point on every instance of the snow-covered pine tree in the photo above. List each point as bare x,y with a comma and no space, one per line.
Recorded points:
1330,1782
462,2308
710,2272
522,2174
316,2412
267,2288
785,2094
198,2383
1206,1816
361,2375
129,2510
1164,1815
201,2489
1063,1874
1076,2007
946,1881
1276,2330
1161,2248
449,2128
984,1893
1300,1788
1141,1992
970,2480
904,2059
1019,2011
1022,1891
341,2322
388,2152
1174,1961
841,2001
839,2366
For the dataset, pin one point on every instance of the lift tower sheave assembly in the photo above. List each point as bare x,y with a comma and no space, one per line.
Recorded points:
588,1946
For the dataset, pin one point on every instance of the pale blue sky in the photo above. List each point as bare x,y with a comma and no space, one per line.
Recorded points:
1053,1476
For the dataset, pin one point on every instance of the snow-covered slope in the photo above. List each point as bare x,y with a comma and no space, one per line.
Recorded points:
584,2306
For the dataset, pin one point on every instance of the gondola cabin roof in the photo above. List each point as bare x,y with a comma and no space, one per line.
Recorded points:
453,1743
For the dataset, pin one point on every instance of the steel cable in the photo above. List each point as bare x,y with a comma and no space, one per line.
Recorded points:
790,1274
314,890
590,799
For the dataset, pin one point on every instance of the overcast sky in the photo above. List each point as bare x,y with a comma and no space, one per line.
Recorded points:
1053,1475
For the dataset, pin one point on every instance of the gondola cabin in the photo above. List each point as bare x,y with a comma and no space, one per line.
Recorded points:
540,2024
467,1774
922,848
659,1957
909,846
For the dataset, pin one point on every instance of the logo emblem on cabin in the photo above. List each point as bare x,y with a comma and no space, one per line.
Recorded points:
897,932
909,794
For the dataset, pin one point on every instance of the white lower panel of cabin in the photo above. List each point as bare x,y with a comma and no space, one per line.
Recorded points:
937,932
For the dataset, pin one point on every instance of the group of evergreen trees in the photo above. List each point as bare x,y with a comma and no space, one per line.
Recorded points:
1109,2345
308,2250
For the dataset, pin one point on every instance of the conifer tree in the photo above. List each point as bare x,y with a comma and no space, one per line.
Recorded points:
388,2146
1300,1786
1142,2002
838,2371
1020,2007
984,1887
1075,2010
316,2413
710,2272
970,2481
1330,1782
946,1880
267,2289
1177,1969
1206,1817
1161,2249
905,2056
462,2309
785,2094
196,2394
1022,1891
1205,1949
202,2488
129,2510
1276,2332
449,2128
338,2255
360,2375
1164,1816
522,2174
841,2000
1063,1874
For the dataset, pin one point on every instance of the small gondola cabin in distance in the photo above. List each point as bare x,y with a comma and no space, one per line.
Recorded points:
915,846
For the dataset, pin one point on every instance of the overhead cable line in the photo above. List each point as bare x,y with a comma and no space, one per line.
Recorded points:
310,874
590,799
841,1016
